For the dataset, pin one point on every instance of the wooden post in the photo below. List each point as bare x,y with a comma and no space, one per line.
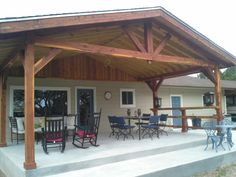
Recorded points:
154,96
29,107
218,94
184,120
154,86
3,111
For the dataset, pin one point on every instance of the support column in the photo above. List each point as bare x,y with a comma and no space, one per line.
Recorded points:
218,94
3,111
29,107
154,86
184,121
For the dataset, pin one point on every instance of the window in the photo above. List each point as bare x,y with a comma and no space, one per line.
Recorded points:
231,100
127,98
47,102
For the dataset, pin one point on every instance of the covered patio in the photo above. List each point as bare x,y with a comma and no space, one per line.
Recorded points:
135,45
159,157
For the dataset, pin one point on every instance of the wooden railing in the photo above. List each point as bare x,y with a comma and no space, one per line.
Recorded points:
184,117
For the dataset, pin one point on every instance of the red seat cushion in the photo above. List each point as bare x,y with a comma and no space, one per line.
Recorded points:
82,133
54,137
56,140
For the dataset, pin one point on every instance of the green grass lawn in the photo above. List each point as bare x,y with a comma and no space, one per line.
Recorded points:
226,171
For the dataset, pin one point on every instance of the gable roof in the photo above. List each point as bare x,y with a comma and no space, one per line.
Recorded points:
106,28
188,81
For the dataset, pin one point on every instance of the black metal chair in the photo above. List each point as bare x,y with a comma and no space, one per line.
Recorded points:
114,126
162,123
17,128
211,132
152,127
123,128
87,133
54,133
144,121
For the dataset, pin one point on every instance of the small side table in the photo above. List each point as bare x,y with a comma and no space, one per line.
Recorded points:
226,130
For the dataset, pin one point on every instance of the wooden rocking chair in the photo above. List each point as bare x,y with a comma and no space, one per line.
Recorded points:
87,133
54,134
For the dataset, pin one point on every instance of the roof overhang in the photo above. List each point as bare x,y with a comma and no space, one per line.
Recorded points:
113,30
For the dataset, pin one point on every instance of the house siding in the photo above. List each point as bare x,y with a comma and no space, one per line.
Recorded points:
190,96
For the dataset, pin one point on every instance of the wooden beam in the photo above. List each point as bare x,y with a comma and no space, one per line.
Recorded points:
148,39
29,107
134,39
3,87
159,84
162,44
209,74
45,60
7,63
218,94
117,52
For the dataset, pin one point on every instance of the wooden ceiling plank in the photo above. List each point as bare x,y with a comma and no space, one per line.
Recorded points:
174,74
134,39
162,44
45,60
117,52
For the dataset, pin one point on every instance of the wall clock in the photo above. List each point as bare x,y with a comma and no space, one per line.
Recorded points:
107,95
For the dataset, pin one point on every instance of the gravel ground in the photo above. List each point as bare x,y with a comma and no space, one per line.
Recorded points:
226,171
2,174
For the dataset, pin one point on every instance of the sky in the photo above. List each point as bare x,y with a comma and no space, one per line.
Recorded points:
213,18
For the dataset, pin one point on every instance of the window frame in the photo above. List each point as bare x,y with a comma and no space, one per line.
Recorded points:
67,89
134,98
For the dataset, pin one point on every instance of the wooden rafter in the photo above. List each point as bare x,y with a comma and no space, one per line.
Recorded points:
202,51
117,52
45,60
162,44
209,74
134,39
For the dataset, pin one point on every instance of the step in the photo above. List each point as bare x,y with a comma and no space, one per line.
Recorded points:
178,163
100,160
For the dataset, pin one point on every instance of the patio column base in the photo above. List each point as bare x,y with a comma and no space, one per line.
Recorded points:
3,144
29,166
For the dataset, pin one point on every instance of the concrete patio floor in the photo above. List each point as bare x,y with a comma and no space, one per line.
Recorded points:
183,152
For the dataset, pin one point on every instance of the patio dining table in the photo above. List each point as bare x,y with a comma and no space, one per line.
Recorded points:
226,130
137,118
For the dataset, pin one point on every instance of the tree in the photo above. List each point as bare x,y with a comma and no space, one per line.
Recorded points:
229,74
201,76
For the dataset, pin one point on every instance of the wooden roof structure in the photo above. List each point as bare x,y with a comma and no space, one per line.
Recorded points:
138,44
146,45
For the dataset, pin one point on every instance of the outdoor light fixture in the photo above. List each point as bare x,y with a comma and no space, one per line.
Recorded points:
149,62
208,98
158,102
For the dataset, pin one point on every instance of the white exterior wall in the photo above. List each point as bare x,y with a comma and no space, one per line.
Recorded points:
190,96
